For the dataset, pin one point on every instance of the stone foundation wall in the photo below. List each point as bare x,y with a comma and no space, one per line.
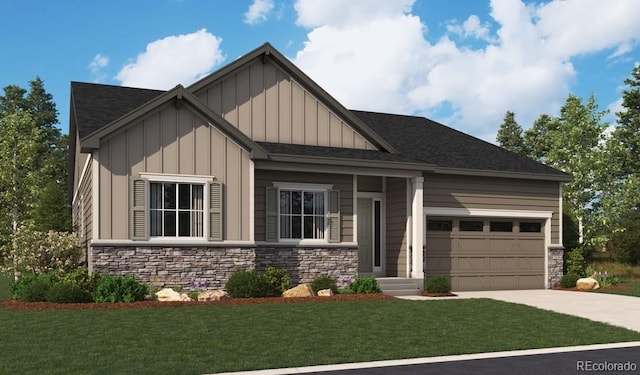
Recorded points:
555,267
189,267
304,264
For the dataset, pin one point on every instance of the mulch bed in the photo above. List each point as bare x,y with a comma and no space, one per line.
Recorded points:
19,305
425,294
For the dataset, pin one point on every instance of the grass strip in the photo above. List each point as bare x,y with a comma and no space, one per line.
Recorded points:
207,339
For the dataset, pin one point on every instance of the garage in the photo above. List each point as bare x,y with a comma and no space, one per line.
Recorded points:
486,253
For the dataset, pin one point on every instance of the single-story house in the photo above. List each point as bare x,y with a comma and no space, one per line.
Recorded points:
257,165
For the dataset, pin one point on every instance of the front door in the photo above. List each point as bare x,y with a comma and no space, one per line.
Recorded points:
370,254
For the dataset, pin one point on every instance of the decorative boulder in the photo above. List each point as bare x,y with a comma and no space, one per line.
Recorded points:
170,295
325,293
214,295
587,283
302,290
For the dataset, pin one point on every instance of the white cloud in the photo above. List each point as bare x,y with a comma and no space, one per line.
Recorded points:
376,56
98,62
173,60
258,11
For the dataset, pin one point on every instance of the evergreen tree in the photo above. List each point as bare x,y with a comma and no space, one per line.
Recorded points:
510,135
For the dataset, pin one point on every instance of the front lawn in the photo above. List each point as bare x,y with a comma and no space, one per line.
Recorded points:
206,339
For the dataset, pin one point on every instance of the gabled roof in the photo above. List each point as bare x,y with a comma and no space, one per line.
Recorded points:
267,51
95,105
180,96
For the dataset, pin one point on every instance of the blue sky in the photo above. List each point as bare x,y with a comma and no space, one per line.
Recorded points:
463,63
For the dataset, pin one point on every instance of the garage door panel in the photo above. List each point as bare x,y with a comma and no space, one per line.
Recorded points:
487,260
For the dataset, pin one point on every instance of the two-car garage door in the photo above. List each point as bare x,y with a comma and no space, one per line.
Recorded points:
486,253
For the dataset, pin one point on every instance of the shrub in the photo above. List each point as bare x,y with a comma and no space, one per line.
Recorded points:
437,284
21,289
569,280
41,252
248,284
365,285
278,279
112,288
575,262
67,292
324,282
606,280
626,244
81,278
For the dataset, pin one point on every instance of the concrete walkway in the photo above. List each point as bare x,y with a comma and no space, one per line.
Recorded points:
617,310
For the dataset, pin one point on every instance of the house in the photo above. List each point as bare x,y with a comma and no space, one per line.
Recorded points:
257,165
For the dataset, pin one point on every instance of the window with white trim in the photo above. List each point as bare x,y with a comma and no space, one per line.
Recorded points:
176,209
302,214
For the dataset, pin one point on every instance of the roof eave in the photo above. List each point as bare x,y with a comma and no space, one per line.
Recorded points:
323,160
560,177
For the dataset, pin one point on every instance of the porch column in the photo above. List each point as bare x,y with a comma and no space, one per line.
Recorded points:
417,229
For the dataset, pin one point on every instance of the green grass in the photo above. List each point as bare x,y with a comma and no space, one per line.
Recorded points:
206,339
5,279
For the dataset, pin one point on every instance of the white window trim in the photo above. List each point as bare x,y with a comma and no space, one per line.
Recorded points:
178,178
324,188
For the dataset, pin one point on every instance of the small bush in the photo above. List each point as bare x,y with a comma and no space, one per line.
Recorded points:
569,280
437,284
365,285
66,292
81,278
278,279
112,288
248,284
36,293
576,263
324,282
606,280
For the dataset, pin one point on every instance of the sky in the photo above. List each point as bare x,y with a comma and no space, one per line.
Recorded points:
459,62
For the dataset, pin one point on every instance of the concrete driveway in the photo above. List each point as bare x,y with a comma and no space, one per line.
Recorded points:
617,310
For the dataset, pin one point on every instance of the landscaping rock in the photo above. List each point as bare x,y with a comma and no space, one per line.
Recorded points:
302,290
214,295
170,295
325,293
587,283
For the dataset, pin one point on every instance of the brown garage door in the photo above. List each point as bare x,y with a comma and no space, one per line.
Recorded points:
486,254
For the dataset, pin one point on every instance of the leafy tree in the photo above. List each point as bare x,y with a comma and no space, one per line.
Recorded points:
32,160
537,139
510,135
627,134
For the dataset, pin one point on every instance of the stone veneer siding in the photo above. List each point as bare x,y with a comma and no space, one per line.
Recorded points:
555,264
212,266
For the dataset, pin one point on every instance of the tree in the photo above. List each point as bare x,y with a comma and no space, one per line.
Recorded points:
627,132
573,142
32,160
510,135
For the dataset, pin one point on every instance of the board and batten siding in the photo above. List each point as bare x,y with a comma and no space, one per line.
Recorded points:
268,105
494,193
372,184
342,182
171,141
396,222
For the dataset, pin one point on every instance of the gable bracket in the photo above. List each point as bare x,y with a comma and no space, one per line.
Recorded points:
179,100
265,57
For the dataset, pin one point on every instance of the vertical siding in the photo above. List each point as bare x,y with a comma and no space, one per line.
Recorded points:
344,183
171,141
267,104
494,193
396,246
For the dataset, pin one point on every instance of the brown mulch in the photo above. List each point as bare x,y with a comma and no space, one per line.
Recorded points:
19,305
425,294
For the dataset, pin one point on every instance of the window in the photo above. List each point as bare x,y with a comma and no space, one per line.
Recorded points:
529,227
302,214
440,225
501,226
176,209
471,225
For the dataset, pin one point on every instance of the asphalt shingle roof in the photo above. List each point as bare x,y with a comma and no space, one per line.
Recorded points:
97,105
417,139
